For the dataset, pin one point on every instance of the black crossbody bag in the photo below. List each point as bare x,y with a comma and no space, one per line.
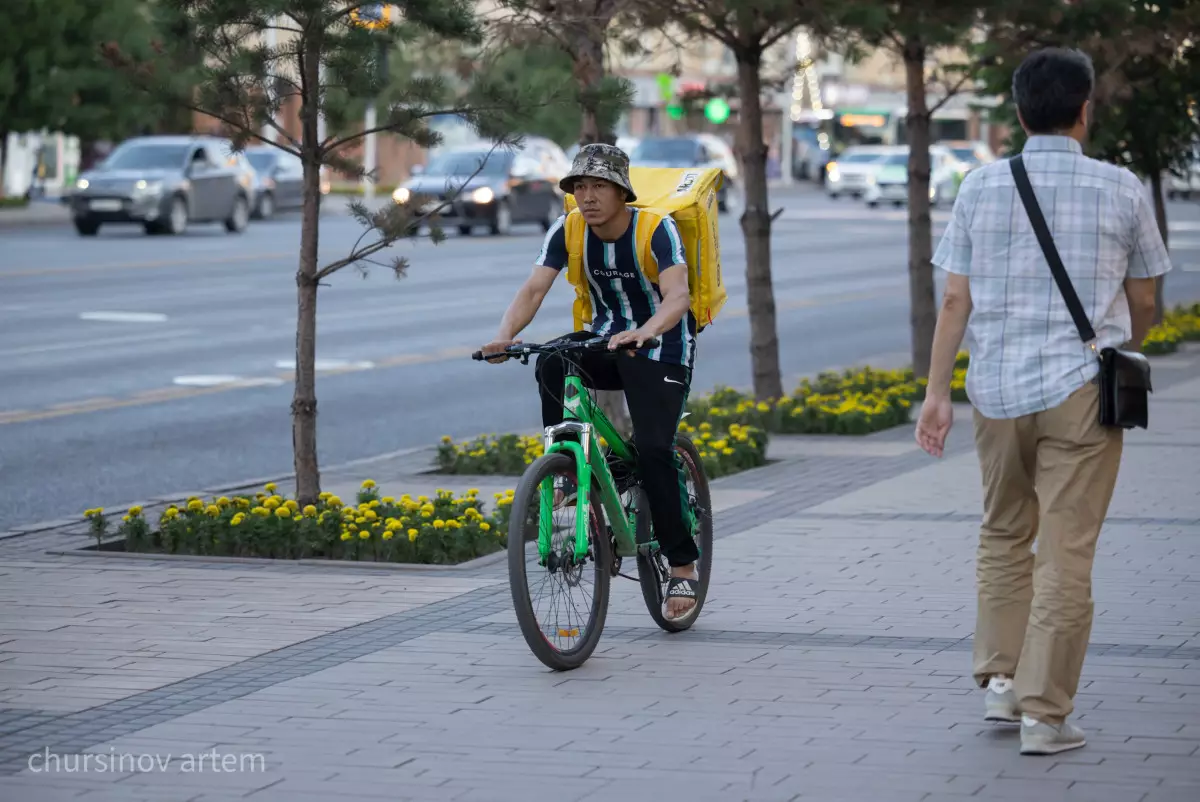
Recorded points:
1124,375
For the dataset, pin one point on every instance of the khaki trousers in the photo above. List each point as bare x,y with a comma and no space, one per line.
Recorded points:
1051,474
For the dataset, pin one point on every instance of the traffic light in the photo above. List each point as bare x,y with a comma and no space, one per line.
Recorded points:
717,110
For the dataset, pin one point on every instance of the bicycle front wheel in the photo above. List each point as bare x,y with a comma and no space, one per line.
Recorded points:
560,600
653,571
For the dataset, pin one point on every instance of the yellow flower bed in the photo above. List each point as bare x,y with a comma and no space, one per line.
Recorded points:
741,447
1181,324
854,402
737,448
445,529
505,454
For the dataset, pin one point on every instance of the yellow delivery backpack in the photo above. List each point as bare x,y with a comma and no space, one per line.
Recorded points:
689,195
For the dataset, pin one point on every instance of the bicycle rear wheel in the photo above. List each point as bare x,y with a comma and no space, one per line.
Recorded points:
653,571
563,632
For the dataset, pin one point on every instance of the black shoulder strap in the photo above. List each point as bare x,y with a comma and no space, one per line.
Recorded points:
1029,200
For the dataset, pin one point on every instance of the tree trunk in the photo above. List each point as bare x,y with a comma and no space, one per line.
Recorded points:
304,397
1160,217
756,229
588,66
921,288
3,159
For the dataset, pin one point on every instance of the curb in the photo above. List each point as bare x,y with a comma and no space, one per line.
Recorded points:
469,565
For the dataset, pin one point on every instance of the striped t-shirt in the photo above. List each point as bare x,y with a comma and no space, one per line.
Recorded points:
622,297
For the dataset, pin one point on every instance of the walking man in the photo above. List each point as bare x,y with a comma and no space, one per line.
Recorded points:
1048,466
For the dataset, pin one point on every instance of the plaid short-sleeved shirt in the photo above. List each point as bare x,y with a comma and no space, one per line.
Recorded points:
1026,354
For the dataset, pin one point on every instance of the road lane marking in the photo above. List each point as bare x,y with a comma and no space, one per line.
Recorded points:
155,265
163,394
98,342
203,380
124,317
326,365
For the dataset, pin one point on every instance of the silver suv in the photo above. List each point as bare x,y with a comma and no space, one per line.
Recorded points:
164,183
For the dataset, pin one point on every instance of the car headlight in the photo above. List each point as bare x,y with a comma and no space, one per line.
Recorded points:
483,195
148,187
401,195
82,184
835,174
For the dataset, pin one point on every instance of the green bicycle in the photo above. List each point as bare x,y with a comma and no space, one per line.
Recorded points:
611,522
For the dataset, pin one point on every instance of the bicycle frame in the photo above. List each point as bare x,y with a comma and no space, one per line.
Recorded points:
581,416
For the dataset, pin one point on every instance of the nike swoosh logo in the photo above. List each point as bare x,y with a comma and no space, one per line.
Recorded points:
672,381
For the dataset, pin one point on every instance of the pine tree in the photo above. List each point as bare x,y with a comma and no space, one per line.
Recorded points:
328,54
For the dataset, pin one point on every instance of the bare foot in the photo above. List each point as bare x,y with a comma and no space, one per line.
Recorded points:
681,598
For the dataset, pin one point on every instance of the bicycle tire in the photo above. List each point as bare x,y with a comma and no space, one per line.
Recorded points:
652,569
527,492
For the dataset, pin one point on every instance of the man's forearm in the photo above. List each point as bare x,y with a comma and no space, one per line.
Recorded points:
519,314
673,309
1141,319
947,338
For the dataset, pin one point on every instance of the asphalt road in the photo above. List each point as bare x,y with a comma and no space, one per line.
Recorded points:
134,366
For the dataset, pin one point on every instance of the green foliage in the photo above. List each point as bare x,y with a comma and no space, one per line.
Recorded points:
1147,66
52,75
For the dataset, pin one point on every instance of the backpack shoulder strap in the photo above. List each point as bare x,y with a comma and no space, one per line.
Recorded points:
647,223
574,230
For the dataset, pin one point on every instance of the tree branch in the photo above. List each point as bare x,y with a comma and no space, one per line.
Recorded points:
412,224
952,91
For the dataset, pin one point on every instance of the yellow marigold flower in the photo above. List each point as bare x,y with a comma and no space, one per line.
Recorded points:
170,513
283,512
223,502
504,502
261,511
310,510
291,504
425,514
485,526
324,494
389,500
126,518
212,510
447,438
439,524
243,503
135,510
387,535
368,484
270,487
360,520
371,515
345,536
412,535
510,492
364,534
453,525
374,503
334,501
474,491
423,499
195,505
237,519
727,452
270,503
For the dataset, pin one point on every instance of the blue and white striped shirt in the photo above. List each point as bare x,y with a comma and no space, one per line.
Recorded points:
622,297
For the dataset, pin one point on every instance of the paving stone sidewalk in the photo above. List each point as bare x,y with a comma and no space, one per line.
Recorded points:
831,663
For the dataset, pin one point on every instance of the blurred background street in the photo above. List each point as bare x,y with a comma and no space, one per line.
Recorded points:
133,366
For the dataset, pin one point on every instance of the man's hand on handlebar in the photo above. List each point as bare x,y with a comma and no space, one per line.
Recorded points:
638,337
497,347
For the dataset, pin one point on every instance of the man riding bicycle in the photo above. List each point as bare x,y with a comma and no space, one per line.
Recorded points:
628,308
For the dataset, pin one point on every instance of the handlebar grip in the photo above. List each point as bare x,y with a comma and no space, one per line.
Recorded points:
477,356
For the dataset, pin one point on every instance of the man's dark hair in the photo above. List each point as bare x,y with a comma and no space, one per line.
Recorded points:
1050,88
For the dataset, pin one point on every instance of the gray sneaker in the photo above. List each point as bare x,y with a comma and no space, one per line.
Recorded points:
1001,701
1040,738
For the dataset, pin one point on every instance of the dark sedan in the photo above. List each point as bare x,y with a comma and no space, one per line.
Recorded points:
279,182
164,183
509,189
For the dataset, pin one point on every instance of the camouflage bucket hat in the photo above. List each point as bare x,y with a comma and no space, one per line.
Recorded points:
600,161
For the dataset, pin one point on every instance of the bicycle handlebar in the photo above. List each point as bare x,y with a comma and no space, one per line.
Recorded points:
558,346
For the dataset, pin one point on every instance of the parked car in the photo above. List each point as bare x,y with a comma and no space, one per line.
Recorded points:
972,154
890,183
278,182
508,187
164,183
692,150
852,172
